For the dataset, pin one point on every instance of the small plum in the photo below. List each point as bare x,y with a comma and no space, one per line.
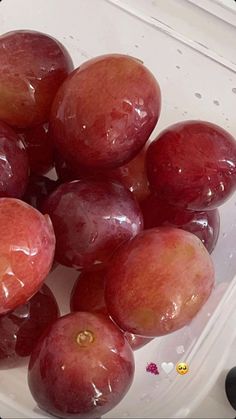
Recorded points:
192,164
33,66
82,367
105,111
158,281
91,220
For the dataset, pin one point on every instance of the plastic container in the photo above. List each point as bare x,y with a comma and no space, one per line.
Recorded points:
192,54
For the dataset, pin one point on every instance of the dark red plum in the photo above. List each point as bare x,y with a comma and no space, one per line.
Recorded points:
21,329
81,368
91,220
192,165
204,224
158,281
33,66
105,111
27,244
14,165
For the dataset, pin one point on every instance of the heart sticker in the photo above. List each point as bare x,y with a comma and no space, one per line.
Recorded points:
167,367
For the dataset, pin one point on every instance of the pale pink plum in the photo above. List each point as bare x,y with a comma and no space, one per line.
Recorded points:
82,367
158,281
91,220
88,295
27,245
105,111
33,66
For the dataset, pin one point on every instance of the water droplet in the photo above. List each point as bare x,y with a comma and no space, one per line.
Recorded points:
198,95
179,51
136,46
180,349
230,255
216,102
234,90
227,119
225,234
178,67
71,37
175,107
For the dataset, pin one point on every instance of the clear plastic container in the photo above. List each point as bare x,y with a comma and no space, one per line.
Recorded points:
192,54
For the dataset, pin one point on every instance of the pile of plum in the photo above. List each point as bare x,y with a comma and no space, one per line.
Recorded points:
137,219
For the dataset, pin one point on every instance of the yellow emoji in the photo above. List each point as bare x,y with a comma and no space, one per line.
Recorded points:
182,368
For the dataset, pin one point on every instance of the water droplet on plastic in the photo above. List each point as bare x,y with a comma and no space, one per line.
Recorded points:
178,67
225,234
198,95
179,51
234,90
216,102
230,255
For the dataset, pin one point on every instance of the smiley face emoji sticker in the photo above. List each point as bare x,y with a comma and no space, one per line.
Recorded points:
182,368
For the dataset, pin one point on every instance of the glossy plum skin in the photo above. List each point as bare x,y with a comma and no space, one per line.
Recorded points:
39,188
204,224
105,111
82,367
14,165
39,148
192,164
172,275
27,245
21,329
91,219
33,66
88,295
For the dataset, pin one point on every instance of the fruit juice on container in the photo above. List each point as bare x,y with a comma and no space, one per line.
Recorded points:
191,52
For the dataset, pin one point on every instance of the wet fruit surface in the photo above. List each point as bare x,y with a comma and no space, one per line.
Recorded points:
192,164
82,367
27,244
33,66
91,219
158,281
105,112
